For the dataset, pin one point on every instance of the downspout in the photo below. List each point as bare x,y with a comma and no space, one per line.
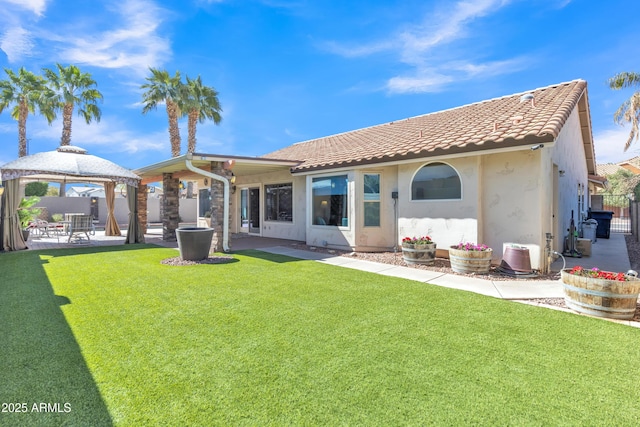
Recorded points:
225,181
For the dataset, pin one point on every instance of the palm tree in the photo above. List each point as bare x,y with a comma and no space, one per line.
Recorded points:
26,91
74,88
199,103
629,111
161,87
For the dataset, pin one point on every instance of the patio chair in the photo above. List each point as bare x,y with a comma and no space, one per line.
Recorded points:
80,224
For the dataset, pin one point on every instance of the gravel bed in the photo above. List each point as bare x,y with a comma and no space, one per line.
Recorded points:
177,261
441,265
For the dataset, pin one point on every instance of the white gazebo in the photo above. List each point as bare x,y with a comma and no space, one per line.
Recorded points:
65,163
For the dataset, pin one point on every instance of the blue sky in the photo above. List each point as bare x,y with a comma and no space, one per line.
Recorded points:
292,70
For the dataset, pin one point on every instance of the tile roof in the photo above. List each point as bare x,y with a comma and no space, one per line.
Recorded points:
502,122
606,169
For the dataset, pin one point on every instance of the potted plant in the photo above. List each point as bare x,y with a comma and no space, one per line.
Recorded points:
418,250
470,258
601,293
28,214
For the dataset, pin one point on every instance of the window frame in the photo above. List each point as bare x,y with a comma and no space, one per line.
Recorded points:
365,202
411,198
265,188
314,208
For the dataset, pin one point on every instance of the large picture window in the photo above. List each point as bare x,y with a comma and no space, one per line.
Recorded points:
278,201
329,199
371,200
436,181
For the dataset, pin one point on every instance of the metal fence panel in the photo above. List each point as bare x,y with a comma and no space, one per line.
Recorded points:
620,205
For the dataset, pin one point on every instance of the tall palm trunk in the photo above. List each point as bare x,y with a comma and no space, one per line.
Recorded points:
174,132
67,113
22,128
193,121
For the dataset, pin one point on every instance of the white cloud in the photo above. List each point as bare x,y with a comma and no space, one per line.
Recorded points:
357,50
133,44
35,6
430,80
443,27
609,145
417,46
108,134
425,82
16,43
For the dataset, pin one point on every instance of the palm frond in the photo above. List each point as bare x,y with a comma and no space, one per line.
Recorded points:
624,80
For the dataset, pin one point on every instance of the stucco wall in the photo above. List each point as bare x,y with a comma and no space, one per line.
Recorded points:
448,222
568,155
510,200
383,237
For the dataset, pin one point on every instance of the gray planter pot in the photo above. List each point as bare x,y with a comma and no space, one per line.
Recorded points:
194,242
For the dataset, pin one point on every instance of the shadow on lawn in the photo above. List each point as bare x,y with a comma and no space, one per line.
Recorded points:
43,370
58,252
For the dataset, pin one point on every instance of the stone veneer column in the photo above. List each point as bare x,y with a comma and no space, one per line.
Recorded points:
217,205
171,207
142,206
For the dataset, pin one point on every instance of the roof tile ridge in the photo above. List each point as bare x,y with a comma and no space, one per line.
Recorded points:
559,117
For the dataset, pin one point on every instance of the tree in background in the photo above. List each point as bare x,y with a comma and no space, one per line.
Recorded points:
36,189
199,103
629,111
26,92
161,87
623,183
73,88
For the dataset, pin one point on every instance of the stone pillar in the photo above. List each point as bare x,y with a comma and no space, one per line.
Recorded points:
142,206
217,206
171,207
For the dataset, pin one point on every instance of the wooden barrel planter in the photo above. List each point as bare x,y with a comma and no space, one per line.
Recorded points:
470,261
613,299
194,242
419,254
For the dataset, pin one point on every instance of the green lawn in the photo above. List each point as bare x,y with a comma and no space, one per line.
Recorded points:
270,340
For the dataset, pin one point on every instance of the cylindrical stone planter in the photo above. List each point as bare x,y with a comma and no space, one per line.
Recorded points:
419,254
194,242
470,261
613,299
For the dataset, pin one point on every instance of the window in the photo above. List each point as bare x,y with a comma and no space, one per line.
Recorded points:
371,200
278,202
204,205
436,181
329,201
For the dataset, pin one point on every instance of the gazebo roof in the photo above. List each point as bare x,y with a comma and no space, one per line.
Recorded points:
67,162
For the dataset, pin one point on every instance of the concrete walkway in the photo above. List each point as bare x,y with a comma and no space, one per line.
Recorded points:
610,254
507,289
607,254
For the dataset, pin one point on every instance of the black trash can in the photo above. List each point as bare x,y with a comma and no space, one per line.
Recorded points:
604,222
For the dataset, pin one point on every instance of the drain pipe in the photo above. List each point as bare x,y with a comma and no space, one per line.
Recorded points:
225,181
